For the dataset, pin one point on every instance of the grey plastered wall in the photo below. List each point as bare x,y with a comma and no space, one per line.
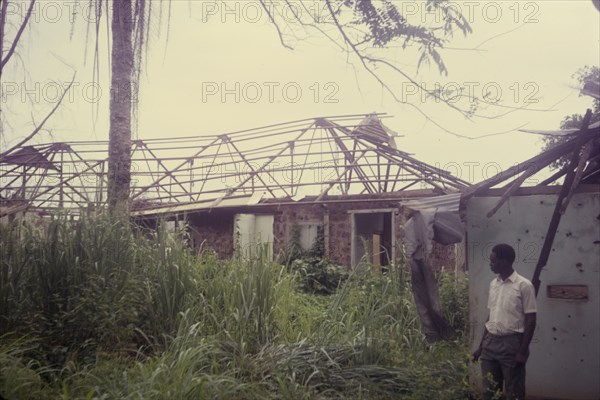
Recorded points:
565,352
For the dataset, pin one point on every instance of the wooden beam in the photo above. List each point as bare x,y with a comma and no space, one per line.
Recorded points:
554,176
514,186
550,155
585,154
556,215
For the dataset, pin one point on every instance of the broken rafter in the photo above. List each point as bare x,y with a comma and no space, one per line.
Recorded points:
558,174
593,168
583,158
533,168
565,190
419,169
402,157
545,158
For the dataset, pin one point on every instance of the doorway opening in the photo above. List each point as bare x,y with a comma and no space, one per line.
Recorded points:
373,236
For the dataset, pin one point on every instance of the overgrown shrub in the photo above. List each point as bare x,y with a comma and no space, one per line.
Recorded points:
318,275
315,273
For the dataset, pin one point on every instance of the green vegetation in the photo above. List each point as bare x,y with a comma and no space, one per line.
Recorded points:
584,76
100,309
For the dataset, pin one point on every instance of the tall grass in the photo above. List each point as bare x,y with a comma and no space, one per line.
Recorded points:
20,376
94,282
115,312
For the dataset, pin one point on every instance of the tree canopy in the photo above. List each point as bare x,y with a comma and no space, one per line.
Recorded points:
584,76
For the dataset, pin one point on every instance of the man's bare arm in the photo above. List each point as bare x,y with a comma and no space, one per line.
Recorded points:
523,353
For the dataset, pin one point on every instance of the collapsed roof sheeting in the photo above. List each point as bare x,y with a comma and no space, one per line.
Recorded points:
560,132
28,156
371,128
592,88
449,202
342,155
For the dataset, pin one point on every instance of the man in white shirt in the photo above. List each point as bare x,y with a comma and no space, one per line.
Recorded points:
508,331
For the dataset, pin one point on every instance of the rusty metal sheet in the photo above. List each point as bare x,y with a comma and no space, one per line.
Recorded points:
568,292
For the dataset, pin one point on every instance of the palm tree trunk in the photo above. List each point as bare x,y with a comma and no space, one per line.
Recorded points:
119,152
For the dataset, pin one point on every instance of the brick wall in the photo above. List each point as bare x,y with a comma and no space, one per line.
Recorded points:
215,228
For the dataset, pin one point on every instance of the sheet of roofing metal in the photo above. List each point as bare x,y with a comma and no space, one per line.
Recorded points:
448,202
559,132
200,205
28,156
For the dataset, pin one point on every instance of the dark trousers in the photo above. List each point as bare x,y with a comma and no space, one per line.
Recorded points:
497,357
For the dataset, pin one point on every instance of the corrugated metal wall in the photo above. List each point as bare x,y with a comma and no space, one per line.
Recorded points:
565,352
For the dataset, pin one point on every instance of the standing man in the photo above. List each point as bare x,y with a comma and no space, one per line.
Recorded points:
509,328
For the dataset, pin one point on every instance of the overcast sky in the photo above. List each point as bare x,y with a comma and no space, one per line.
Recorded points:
223,68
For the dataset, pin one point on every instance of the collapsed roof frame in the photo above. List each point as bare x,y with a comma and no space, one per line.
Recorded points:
582,150
583,167
343,155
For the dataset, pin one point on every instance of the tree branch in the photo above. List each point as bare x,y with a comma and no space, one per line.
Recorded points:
41,125
18,35
272,19
3,12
